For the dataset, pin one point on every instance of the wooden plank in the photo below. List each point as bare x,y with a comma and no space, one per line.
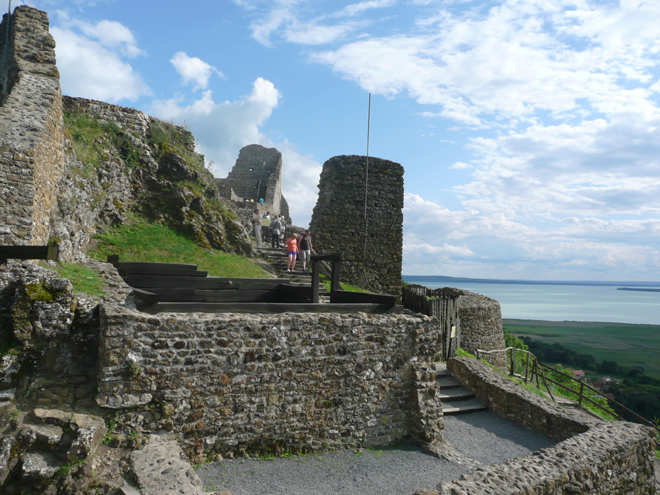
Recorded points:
342,296
292,294
24,252
233,295
191,273
182,282
138,267
197,307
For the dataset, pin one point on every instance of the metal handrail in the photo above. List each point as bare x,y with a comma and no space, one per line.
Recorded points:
581,396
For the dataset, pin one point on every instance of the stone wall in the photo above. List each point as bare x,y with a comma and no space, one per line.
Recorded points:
239,383
31,131
256,175
481,325
593,457
6,57
338,220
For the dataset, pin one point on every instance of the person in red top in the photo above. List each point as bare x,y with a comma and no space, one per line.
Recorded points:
292,248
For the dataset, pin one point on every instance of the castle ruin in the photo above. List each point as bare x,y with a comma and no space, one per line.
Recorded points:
32,157
257,175
369,235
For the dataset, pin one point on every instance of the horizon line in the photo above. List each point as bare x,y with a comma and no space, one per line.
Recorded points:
538,282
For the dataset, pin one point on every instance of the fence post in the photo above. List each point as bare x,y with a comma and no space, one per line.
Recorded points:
511,365
581,393
526,366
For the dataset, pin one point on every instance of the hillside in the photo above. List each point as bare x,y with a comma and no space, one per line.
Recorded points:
72,168
125,164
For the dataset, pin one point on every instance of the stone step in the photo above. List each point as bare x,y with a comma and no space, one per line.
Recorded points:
448,381
463,406
455,394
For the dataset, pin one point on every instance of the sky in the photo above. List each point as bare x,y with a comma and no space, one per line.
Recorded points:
529,130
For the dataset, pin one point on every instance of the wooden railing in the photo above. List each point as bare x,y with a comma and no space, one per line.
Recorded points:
535,371
441,303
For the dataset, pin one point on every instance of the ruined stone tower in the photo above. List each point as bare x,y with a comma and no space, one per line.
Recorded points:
32,156
256,175
338,221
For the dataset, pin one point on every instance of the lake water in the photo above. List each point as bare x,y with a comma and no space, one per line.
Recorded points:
558,302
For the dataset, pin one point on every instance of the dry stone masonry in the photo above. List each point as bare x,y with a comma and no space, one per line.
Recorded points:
338,223
239,383
31,130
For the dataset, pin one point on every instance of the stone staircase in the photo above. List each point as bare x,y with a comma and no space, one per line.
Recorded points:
456,399
277,259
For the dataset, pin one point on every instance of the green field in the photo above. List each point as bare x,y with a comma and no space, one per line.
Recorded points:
627,344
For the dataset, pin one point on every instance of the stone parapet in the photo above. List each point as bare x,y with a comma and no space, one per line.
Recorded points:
236,383
610,458
509,400
593,456
481,325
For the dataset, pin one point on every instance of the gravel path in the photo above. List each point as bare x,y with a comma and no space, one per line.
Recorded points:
394,470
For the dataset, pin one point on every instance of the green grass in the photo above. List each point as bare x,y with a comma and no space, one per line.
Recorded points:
519,367
167,138
83,279
91,137
344,286
147,242
627,344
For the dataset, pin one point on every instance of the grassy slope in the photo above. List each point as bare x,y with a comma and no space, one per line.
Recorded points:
143,241
627,344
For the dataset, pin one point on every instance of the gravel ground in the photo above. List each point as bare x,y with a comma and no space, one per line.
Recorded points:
394,470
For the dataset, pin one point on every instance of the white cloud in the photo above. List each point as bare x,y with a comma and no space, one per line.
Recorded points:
111,34
221,129
90,69
361,7
193,70
460,166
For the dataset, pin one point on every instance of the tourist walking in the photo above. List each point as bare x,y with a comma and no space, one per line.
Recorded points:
275,227
292,249
256,221
305,245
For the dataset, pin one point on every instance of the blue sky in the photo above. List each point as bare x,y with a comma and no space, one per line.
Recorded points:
529,130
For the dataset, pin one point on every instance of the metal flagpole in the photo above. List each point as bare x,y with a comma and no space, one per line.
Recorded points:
366,179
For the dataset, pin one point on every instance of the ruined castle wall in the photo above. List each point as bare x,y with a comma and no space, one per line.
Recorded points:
232,383
481,326
257,174
31,131
592,457
338,220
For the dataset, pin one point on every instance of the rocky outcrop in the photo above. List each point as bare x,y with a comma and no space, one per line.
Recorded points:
372,250
72,168
137,165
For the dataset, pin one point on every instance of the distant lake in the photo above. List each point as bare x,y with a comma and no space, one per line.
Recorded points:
573,301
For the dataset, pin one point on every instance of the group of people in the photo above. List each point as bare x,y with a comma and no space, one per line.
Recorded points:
299,245
277,225
296,245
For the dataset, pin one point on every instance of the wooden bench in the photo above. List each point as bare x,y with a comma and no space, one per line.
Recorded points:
50,251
